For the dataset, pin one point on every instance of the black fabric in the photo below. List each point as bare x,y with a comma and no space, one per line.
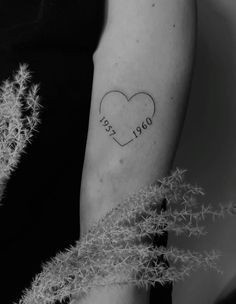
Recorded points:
40,210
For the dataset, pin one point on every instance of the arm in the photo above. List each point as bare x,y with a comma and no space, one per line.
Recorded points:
142,72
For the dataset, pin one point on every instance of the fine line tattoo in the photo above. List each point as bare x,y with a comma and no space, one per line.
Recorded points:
126,119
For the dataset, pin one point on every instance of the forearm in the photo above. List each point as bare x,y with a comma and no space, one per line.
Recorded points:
140,88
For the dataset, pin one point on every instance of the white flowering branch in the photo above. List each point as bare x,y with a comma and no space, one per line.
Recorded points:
118,250
16,128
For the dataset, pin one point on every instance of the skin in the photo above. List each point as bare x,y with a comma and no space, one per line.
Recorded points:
142,72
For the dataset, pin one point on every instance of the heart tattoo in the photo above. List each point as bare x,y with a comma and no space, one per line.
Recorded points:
126,119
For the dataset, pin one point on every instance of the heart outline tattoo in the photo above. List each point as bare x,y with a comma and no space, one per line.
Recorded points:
131,100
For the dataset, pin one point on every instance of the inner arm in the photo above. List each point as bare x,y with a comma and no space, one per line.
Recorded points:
142,72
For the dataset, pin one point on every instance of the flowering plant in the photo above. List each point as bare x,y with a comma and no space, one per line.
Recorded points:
16,125
118,248
114,250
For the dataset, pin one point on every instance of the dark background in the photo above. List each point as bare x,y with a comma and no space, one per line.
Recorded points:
40,212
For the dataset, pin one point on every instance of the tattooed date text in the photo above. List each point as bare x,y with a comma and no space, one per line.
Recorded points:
107,126
137,132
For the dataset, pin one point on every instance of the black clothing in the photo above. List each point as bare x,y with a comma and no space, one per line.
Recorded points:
40,213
